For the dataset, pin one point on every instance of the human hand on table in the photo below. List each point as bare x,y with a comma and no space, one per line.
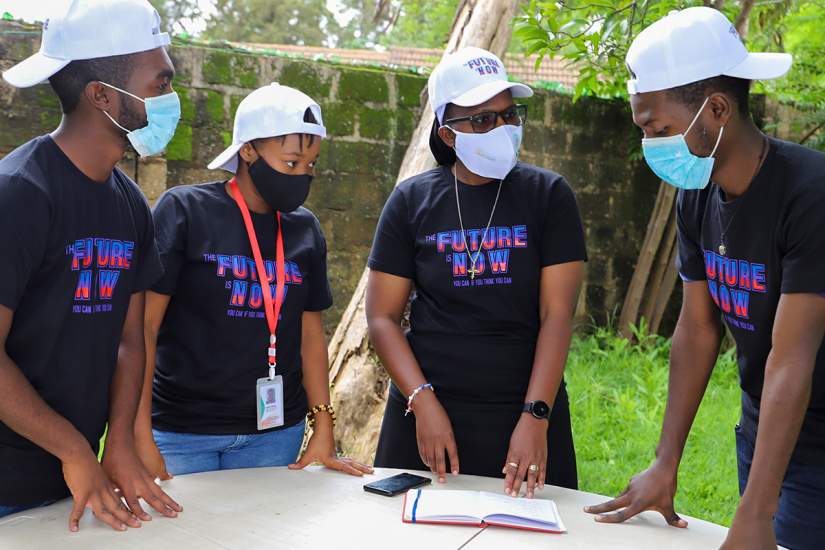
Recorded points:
321,449
434,434
151,458
91,488
652,489
133,481
528,446
750,530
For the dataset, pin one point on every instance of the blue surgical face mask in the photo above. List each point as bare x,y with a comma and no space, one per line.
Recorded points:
671,159
162,114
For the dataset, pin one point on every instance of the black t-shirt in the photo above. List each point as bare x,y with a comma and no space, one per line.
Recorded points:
212,344
475,339
72,253
775,245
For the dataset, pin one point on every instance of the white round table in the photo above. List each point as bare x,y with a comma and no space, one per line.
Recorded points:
274,508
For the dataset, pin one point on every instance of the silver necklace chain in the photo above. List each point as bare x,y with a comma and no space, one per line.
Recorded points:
723,248
474,259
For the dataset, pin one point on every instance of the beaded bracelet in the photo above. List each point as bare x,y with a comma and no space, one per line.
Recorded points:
320,408
415,392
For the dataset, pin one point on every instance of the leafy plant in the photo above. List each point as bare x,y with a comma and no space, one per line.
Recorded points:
594,36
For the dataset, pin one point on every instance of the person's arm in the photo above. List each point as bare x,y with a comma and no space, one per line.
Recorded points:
386,300
25,412
321,445
798,331
147,450
693,355
558,293
120,460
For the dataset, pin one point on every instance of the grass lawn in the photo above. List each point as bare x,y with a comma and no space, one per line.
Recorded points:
618,392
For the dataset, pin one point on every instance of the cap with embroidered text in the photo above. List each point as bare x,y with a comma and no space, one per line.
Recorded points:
470,77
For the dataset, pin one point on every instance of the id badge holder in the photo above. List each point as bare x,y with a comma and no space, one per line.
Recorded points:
269,394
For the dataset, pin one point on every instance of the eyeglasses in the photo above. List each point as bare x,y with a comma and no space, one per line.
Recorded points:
515,115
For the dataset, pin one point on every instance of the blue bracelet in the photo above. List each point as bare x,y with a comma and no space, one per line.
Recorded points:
415,392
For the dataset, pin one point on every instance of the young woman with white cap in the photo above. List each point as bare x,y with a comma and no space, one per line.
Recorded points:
238,365
494,249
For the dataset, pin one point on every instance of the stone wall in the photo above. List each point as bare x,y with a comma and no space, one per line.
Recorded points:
370,114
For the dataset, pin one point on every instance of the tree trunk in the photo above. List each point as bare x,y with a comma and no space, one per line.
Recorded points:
358,381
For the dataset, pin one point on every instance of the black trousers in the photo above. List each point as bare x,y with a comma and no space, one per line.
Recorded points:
482,432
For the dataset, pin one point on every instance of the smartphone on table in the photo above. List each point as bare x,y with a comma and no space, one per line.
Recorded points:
397,484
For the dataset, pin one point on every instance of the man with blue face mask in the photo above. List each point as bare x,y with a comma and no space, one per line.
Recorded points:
77,252
751,254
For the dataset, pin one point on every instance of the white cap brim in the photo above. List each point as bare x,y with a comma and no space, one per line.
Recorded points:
762,66
480,94
34,70
227,160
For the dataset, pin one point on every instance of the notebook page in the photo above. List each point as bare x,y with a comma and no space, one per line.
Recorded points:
450,505
540,510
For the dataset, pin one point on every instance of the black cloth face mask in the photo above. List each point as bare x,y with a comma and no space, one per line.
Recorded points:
282,192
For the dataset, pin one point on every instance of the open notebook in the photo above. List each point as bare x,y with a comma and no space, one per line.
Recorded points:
480,508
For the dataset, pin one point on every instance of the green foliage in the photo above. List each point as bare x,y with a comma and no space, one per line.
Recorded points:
422,24
301,22
805,85
618,392
595,37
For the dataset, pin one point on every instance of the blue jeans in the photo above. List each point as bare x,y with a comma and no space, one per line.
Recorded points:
798,522
9,510
187,453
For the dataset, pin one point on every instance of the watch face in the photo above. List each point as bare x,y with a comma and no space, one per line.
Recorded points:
540,409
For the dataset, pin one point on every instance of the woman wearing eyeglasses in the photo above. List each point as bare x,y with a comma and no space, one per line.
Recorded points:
494,250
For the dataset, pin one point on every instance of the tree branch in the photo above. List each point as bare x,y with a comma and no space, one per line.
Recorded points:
741,22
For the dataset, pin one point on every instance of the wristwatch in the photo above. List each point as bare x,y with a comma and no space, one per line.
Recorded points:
538,409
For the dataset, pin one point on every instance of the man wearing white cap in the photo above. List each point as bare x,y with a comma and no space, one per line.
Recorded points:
751,238
238,366
77,253
495,250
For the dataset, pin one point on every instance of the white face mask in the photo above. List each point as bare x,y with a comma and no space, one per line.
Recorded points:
492,154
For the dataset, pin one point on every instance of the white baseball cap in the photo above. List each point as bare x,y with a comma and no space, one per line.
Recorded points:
89,29
694,44
270,111
469,77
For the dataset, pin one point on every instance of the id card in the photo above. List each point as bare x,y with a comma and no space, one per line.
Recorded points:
270,398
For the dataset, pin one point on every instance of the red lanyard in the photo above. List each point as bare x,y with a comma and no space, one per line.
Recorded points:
272,313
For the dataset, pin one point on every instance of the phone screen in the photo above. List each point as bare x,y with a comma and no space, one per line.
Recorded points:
397,484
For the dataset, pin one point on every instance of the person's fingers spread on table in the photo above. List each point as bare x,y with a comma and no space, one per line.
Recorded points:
112,503
111,512
137,510
510,471
441,463
160,501
621,515
671,517
302,463
358,466
532,477
520,475
452,454
343,465
78,507
614,504
542,474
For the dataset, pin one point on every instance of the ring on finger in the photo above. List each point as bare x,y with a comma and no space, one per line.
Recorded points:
513,465
533,468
